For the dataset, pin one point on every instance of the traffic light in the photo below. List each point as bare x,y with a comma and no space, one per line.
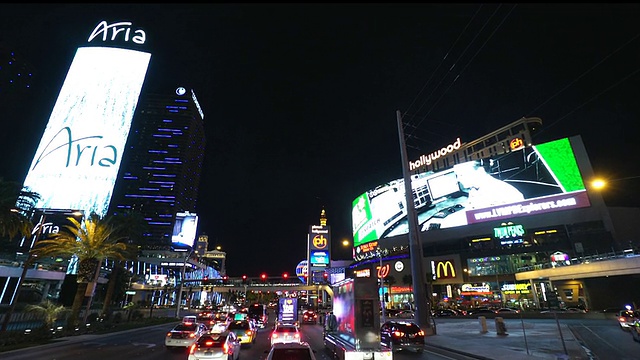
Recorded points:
244,279
326,277
285,276
205,280
263,277
225,279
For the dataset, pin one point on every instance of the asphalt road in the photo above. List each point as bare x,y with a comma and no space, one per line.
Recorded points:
604,338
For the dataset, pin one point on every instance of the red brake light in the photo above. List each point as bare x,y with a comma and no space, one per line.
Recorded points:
169,334
208,343
622,319
192,349
225,348
274,335
421,333
192,335
188,323
297,335
398,333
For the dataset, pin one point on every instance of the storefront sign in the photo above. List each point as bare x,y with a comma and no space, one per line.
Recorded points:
469,289
508,231
516,288
444,269
362,273
401,289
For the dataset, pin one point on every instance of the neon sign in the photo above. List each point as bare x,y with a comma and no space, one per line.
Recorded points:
429,158
103,28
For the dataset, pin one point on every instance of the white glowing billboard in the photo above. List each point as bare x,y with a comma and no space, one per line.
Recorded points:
77,161
536,180
184,229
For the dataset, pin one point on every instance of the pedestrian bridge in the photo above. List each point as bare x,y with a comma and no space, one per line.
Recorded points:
244,287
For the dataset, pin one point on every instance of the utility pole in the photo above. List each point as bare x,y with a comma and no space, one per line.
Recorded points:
184,267
422,305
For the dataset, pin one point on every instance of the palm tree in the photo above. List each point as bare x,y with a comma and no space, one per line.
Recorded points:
49,310
92,242
129,226
16,207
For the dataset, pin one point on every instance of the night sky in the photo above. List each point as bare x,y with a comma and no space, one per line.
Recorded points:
300,101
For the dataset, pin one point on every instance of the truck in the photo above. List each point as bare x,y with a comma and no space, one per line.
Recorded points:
288,311
354,331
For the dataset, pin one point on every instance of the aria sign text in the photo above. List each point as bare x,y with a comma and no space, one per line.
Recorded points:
119,30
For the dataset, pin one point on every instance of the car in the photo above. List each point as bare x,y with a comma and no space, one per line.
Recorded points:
286,334
400,335
309,317
507,311
445,313
480,312
573,310
207,318
213,346
291,351
635,330
244,331
184,335
405,314
627,319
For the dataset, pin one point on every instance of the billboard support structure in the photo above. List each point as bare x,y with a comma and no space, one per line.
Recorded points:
422,304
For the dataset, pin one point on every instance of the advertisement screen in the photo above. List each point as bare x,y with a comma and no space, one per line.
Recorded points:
343,307
535,180
319,258
184,229
76,163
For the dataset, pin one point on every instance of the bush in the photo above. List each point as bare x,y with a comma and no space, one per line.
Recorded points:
137,315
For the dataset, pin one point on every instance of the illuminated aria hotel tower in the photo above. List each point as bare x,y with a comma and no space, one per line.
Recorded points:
92,132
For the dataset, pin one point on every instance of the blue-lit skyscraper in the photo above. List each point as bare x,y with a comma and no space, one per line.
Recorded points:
160,173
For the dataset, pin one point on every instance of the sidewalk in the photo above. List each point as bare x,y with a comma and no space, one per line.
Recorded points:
537,341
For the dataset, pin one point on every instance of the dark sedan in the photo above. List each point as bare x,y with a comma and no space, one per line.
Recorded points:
402,335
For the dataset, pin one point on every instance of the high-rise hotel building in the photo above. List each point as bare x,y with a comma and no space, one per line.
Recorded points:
160,173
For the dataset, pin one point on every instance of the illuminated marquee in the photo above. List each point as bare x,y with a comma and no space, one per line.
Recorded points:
516,144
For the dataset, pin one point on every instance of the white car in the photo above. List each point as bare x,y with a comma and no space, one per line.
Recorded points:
216,346
184,335
286,334
298,351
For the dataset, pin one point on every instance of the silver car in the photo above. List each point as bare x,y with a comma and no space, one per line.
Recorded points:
216,346
184,335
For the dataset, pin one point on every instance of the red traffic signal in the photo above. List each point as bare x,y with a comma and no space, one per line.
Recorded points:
244,277
263,276
285,275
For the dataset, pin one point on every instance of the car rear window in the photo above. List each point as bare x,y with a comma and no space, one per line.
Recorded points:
291,354
208,341
185,327
409,327
239,325
286,329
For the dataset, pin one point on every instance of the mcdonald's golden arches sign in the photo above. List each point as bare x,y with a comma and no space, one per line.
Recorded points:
445,269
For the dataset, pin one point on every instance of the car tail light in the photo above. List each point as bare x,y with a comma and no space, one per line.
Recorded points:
192,335
225,348
169,334
296,335
274,336
192,349
208,343
248,332
421,333
622,319
398,333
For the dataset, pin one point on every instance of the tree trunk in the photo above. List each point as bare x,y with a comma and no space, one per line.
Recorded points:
77,304
113,279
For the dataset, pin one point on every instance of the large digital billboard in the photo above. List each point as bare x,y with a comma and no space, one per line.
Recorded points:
76,163
534,180
184,229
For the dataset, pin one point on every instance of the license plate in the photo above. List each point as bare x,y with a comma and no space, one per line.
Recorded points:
208,353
